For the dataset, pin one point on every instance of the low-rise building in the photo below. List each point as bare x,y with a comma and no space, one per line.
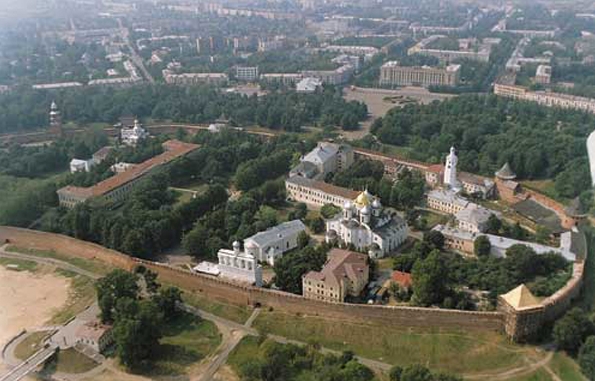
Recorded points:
317,193
269,245
247,73
462,240
324,159
218,79
366,225
78,165
446,201
543,74
393,74
284,78
94,335
344,274
308,85
474,218
132,136
118,187
546,98
239,266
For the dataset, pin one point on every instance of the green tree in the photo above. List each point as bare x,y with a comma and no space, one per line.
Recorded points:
430,280
167,301
482,246
137,337
586,358
435,239
302,240
394,374
416,373
493,225
408,191
572,329
115,285
290,268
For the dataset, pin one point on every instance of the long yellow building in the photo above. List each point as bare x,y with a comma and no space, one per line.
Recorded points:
393,74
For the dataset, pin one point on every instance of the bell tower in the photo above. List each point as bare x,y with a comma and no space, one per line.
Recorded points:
55,119
450,169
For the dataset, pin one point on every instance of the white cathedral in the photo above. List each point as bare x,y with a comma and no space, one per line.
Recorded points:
366,225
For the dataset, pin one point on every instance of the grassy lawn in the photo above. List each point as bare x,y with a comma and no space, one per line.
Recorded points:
182,197
93,265
475,351
23,265
227,311
29,345
566,368
538,375
186,341
71,361
434,219
80,295
546,187
246,351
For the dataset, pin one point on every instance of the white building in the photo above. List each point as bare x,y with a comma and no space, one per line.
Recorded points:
474,218
131,136
247,73
324,159
446,201
543,74
269,245
450,170
308,85
78,165
239,266
317,193
366,225
464,241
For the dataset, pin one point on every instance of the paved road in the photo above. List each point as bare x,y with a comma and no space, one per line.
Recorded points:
30,364
138,61
47,261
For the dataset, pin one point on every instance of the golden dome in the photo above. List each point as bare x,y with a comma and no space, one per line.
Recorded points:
363,199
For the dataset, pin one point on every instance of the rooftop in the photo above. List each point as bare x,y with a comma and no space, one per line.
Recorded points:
447,196
282,230
324,187
505,173
173,150
521,297
341,264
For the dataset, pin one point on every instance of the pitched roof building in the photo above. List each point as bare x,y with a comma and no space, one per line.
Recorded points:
345,273
270,244
317,193
118,187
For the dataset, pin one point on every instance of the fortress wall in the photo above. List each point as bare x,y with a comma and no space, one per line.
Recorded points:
223,290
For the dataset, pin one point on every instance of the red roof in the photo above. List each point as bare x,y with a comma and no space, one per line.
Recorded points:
173,150
436,168
401,278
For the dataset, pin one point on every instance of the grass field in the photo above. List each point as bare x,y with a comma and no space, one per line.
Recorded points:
81,295
186,341
29,345
227,311
93,265
538,375
455,351
71,361
246,351
566,368
23,265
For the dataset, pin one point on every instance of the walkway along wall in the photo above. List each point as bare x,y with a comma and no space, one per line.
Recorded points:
519,325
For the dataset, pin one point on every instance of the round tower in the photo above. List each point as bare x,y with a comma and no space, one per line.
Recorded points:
55,119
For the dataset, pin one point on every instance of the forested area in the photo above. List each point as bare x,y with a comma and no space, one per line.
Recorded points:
488,131
27,109
151,220
428,263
